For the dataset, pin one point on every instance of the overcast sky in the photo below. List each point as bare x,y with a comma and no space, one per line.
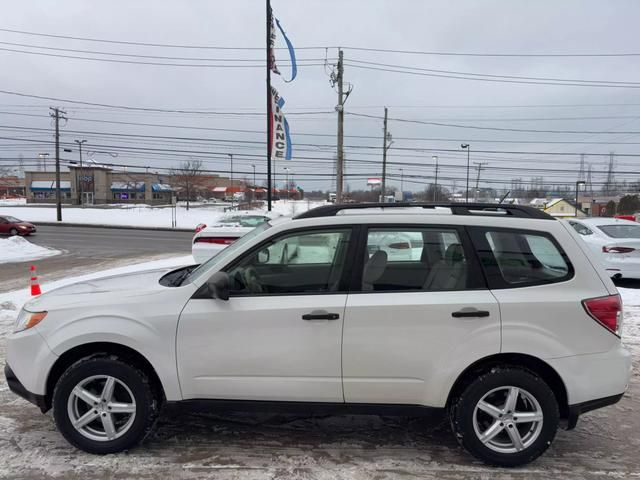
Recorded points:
482,27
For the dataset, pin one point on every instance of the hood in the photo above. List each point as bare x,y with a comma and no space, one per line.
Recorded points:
23,224
125,285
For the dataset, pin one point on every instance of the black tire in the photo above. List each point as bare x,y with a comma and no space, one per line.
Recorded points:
463,410
13,232
136,380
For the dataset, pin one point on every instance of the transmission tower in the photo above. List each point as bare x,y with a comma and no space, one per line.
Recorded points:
608,186
581,171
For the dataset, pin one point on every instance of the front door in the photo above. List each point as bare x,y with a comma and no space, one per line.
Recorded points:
87,198
279,335
418,315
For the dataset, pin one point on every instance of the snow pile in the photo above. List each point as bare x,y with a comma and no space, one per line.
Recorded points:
17,249
631,323
145,215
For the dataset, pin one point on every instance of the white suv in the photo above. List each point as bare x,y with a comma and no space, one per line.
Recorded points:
499,317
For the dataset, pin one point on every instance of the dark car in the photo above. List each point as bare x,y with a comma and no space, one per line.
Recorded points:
12,226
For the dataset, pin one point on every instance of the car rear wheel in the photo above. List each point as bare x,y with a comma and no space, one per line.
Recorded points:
506,417
103,405
13,232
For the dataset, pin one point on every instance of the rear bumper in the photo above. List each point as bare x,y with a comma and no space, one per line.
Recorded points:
578,409
622,265
16,387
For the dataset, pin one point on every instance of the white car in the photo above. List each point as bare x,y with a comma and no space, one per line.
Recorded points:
209,240
615,242
504,322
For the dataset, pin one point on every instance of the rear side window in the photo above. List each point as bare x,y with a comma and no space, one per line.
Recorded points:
580,228
513,258
621,231
417,259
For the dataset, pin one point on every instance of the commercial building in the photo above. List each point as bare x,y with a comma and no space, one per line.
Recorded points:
99,185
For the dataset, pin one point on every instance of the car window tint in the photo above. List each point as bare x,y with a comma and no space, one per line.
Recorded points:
310,262
621,231
580,228
526,258
429,259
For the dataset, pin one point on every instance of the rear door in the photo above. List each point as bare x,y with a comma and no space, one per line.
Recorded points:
415,322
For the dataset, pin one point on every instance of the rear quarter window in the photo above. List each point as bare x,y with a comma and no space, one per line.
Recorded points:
519,258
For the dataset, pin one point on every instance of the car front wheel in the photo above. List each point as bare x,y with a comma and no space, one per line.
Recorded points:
104,405
13,232
506,417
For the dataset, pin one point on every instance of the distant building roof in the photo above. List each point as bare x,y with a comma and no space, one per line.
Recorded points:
50,185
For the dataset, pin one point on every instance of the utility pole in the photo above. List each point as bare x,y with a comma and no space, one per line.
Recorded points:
386,137
57,114
340,110
80,199
435,186
402,183
231,178
475,193
463,146
269,103
254,176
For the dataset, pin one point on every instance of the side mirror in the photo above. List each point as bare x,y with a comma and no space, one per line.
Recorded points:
219,285
263,256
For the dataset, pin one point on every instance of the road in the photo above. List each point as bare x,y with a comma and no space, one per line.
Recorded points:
95,248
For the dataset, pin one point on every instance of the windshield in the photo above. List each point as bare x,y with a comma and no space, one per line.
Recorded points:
621,231
227,252
12,220
245,220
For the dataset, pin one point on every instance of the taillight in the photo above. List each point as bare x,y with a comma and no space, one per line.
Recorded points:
200,227
216,240
607,311
606,249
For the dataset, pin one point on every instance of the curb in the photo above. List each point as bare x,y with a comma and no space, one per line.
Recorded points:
116,227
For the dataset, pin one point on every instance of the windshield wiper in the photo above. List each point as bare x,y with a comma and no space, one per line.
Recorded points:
176,282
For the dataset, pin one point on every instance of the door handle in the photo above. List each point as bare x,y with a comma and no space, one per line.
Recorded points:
320,315
470,313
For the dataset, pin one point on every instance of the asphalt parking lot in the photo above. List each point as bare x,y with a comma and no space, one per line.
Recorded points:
92,248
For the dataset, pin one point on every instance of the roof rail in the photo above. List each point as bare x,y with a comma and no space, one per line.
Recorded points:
489,209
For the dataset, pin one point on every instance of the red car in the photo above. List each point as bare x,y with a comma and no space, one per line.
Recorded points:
13,226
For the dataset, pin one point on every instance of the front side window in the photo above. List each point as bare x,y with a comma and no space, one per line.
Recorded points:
420,259
524,258
621,231
304,262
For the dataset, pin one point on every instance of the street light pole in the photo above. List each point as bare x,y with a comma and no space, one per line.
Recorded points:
435,185
463,146
80,199
286,169
231,177
578,183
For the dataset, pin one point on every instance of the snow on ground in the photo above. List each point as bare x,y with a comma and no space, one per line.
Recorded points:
19,249
141,215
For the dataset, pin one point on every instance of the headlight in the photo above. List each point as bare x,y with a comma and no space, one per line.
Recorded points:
27,320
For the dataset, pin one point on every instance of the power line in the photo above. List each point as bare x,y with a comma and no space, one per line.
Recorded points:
473,74
475,127
145,109
473,54
495,80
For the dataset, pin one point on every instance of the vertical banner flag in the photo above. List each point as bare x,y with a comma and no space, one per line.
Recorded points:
280,138
272,56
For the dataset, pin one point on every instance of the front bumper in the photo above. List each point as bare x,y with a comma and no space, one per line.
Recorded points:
16,387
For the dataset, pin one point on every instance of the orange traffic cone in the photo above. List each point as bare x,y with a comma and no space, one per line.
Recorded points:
35,286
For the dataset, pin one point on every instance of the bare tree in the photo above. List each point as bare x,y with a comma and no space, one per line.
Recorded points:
187,177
